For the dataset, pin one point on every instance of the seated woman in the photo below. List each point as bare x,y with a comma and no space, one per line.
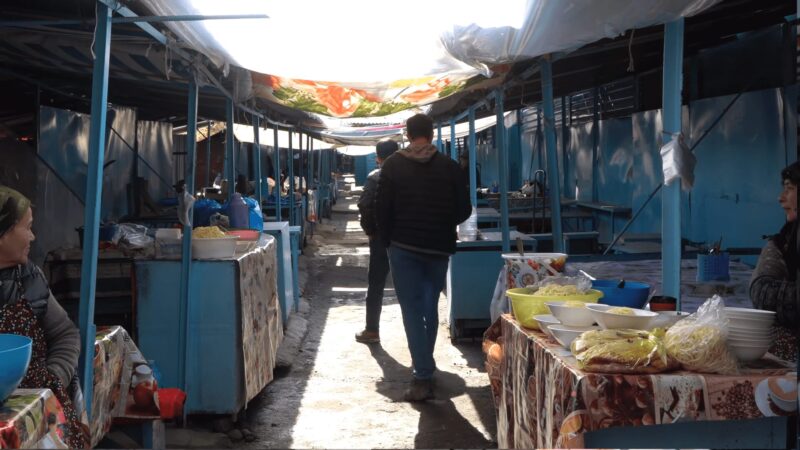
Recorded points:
773,286
28,308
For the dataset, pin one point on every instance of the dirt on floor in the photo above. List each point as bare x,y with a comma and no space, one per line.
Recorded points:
343,394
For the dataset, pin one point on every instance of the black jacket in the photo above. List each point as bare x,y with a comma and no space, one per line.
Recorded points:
366,204
422,196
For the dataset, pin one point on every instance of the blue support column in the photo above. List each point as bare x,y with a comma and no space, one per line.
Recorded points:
276,168
230,163
290,177
257,157
453,147
473,163
94,192
564,140
209,180
596,144
439,138
186,254
671,195
552,154
502,149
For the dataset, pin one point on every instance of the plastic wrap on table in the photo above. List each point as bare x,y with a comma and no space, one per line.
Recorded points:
698,342
544,400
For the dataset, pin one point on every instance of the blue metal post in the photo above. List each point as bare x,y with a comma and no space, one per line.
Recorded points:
290,176
276,164
186,254
596,145
502,148
552,154
473,164
671,195
564,140
257,157
208,154
453,147
439,138
94,192
230,163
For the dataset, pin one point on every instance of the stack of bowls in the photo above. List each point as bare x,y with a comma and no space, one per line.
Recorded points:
749,332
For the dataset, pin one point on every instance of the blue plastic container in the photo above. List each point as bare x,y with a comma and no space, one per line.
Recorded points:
633,295
15,355
713,267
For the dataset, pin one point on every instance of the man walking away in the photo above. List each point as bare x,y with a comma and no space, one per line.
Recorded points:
378,259
422,197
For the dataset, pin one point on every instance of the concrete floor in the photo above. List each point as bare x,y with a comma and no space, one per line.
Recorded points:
343,394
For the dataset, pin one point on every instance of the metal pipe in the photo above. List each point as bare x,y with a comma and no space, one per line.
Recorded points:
136,19
473,164
500,141
230,169
208,154
276,168
257,157
453,148
185,314
671,195
290,177
552,154
94,192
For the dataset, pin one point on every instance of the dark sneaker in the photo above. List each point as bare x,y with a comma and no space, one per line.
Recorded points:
368,337
419,391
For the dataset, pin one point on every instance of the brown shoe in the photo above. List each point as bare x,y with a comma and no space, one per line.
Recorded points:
419,391
368,337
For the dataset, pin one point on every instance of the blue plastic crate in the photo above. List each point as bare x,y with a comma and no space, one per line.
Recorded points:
713,267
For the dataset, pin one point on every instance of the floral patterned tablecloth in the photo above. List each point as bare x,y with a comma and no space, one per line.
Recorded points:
32,418
543,400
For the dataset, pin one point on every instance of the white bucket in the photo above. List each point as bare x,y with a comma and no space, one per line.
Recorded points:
530,268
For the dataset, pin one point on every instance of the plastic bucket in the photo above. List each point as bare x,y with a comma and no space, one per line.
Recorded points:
633,295
529,268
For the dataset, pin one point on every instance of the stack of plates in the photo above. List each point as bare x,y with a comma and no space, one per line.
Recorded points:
749,332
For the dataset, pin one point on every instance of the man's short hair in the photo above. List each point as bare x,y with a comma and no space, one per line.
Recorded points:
418,126
384,149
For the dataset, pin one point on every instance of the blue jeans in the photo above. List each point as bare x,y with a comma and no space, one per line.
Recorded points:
418,280
376,275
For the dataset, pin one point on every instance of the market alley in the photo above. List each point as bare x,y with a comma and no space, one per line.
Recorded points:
343,394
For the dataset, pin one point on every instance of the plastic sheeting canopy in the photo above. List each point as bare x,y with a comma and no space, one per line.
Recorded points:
361,58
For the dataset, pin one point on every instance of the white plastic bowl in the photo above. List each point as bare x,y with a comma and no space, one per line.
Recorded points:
739,322
750,313
214,248
544,321
751,333
565,334
749,341
640,320
571,316
748,353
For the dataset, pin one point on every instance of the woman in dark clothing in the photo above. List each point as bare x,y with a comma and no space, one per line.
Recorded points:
27,307
773,286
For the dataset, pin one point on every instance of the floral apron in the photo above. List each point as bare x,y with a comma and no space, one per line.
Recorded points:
17,317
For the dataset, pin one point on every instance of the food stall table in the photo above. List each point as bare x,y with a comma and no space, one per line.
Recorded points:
543,400
32,418
471,279
234,326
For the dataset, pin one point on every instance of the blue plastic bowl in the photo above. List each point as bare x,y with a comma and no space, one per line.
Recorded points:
633,295
15,355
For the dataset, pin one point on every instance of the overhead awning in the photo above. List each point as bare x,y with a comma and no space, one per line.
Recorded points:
361,58
244,133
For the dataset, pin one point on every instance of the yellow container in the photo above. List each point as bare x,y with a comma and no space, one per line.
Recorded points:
526,304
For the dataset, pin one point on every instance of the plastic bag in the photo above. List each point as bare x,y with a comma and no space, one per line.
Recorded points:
622,351
256,221
132,235
185,202
499,304
203,210
552,285
468,230
698,342
678,161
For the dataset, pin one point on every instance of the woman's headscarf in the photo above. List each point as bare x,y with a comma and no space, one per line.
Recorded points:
13,206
